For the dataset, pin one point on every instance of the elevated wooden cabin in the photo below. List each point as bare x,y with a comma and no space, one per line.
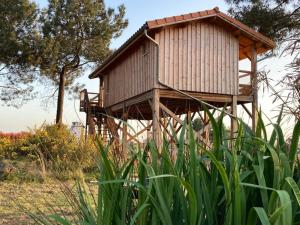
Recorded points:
169,64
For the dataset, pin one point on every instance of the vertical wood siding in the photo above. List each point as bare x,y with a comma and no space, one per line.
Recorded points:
199,57
131,76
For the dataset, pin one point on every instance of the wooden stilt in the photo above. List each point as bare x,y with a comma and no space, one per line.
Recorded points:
105,131
124,135
206,128
233,129
149,124
86,127
188,120
156,117
99,126
254,87
189,117
91,124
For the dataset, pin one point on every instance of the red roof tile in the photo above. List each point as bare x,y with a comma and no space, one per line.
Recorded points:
152,24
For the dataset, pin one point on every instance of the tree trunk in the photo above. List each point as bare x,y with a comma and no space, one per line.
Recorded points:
60,98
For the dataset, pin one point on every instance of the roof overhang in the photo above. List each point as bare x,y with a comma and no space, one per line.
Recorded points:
246,35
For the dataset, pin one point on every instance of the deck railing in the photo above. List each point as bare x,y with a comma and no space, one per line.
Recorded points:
245,82
89,99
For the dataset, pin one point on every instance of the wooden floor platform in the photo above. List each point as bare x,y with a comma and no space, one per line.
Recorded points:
139,107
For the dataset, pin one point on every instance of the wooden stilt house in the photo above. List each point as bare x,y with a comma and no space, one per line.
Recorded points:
161,72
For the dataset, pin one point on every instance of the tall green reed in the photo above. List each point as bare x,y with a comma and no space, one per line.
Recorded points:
250,180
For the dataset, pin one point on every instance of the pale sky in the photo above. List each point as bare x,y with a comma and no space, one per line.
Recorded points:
34,113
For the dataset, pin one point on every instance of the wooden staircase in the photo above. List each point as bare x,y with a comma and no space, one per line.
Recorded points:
98,117
91,104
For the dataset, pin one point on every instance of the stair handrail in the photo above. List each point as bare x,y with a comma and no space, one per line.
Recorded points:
84,99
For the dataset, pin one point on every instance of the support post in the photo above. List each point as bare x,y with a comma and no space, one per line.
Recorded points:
91,124
105,131
99,124
189,121
86,127
206,132
124,135
101,94
156,117
164,126
233,130
189,117
148,130
254,87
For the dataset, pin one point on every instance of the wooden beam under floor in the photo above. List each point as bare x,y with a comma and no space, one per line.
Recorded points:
132,101
164,93
168,111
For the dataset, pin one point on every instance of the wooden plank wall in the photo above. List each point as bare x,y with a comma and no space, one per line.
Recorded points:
200,57
133,75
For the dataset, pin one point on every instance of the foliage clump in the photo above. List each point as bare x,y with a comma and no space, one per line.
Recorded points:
50,150
250,180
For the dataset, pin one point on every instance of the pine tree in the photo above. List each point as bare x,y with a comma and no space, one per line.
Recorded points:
17,43
75,34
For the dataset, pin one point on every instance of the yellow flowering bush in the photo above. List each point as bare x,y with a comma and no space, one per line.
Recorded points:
54,149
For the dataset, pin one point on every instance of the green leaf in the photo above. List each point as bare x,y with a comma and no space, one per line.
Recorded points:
138,212
258,212
294,187
60,220
294,144
223,176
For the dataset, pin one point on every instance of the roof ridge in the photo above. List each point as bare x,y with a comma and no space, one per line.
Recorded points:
190,15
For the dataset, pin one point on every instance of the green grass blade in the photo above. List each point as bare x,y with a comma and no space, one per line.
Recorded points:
294,144
294,187
223,175
261,181
280,198
275,216
138,212
273,135
60,220
258,212
261,128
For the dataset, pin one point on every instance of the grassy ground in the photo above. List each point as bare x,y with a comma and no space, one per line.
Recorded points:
35,197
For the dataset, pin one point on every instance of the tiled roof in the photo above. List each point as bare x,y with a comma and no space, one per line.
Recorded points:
182,18
209,13
154,24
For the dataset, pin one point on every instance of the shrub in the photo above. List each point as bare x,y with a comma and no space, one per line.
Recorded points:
52,149
14,145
